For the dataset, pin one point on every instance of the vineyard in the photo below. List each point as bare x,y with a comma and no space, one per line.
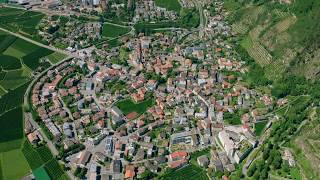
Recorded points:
32,60
54,170
32,156
265,37
19,59
18,20
11,129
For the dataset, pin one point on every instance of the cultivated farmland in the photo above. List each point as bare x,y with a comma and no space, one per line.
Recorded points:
18,20
9,62
55,57
32,156
11,127
54,170
32,60
13,165
18,60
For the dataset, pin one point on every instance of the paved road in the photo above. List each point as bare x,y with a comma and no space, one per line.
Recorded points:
39,44
36,126
35,79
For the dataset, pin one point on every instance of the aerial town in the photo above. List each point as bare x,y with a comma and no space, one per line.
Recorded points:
148,102
163,102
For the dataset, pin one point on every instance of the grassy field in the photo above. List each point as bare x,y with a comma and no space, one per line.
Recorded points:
41,173
112,31
12,99
20,48
190,172
195,155
14,79
172,5
6,41
10,145
55,57
127,106
259,127
14,165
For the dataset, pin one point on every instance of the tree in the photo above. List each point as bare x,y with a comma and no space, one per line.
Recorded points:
219,174
252,170
147,175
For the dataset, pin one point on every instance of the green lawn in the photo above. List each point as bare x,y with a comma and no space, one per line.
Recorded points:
172,5
259,127
127,106
110,30
195,155
14,165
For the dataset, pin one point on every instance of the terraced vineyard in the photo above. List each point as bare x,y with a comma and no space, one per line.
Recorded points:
275,34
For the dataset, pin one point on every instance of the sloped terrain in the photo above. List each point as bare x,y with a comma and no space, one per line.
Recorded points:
280,37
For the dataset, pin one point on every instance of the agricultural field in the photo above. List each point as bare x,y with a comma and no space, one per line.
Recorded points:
113,31
14,79
42,161
171,5
33,157
54,170
18,60
277,35
190,172
41,173
11,129
128,106
21,21
13,164
34,59
55,57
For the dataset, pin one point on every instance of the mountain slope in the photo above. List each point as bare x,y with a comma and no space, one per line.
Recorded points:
280,37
